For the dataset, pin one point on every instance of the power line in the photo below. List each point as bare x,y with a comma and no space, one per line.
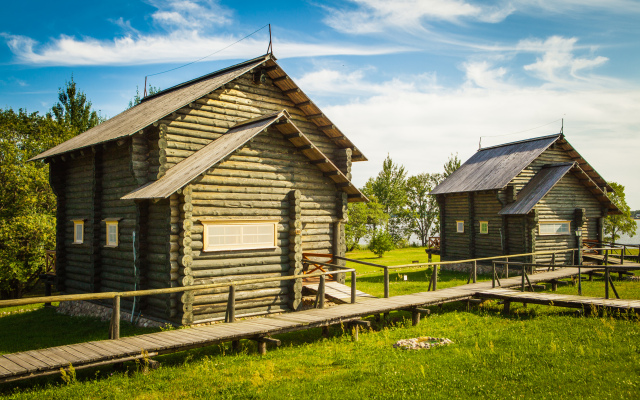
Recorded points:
200,59
515,133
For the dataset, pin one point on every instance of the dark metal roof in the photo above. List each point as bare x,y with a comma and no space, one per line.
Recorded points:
152,109
190,168
536,189
494,167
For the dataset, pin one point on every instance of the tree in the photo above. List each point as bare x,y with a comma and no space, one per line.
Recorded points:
73,110
614,225
27,204
364,218
381,242
137,99
390,188
422,207
452,164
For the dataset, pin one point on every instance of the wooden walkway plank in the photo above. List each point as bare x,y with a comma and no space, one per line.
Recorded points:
10,366
24,362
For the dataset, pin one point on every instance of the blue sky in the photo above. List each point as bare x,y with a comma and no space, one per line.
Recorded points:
415,79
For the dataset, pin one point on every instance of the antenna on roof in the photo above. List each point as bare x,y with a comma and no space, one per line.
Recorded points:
270,48
562,127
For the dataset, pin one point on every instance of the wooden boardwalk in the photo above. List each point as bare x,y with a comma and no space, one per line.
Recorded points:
612,260
48,361
559,300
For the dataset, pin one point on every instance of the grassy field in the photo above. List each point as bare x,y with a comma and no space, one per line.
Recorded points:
537,352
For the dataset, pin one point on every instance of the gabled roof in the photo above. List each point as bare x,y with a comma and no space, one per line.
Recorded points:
190,168
545,180
155,107
536,189
494,167
152,109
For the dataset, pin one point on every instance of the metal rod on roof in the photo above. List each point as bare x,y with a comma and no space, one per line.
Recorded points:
270,48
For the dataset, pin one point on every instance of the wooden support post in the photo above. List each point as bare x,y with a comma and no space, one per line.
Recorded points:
262,344
506,268
325,331
231,305
529,283
356,330
523,274
507,306
235,345
624,250
356,327
353,287
416,313
554,285
493,276
435,278
606,282
475,271
47,289
606,257
386,283
115,319
262,348
553,261
613,288
579,282
321,287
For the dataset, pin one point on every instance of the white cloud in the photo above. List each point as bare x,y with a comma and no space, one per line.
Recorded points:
558,63
190,14
420,126
371,16
179,46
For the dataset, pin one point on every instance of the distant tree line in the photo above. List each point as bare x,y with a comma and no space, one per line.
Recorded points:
399,206
27,203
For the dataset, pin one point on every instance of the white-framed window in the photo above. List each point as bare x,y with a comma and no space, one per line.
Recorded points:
460,226
554,228
112,233
223,235
78,231
484,227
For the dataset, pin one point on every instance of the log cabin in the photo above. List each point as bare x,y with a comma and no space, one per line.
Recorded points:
532,195
230,176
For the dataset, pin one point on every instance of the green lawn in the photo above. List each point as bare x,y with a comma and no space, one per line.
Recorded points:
536,352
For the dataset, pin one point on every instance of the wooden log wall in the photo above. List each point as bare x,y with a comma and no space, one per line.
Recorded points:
161,272
552,155
185,257
560,204
486,208
457,209
76,261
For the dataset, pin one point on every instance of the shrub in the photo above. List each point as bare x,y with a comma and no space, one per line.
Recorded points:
381,242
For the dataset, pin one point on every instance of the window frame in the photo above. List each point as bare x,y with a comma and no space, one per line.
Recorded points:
554,222
78,222
458,222
486,223
209,248
117,241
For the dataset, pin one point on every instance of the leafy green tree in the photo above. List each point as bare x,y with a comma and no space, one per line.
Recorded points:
422,208
381,242
452,164
27,204
363,220
73,110
390,188
137,98
614,225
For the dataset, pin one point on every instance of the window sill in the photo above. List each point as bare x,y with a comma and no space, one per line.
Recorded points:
239,249
111,245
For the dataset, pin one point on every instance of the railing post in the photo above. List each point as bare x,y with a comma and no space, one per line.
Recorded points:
624,251
579,282
353,287
506,268
231,304
553,261
435,278
523,272
321,292
386,282
606,283
115,319
493,276
475,271
606,257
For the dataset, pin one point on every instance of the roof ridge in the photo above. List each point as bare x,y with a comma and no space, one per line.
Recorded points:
559,135
210,74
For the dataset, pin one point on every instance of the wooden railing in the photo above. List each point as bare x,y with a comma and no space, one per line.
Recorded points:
50,262
114,328
434,242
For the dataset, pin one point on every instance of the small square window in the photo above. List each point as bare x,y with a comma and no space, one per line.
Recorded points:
484,227
78,231
460,226
112,233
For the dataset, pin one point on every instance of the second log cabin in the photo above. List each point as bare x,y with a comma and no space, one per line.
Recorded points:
230,176
533,195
